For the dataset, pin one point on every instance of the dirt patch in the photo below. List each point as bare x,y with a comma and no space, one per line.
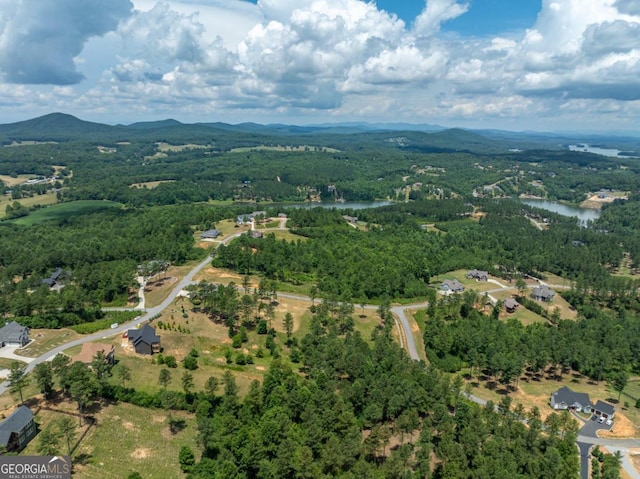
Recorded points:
622,427
259,368
128,425
159,418
141,453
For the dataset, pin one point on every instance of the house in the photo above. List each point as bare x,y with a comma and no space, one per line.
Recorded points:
14,334
17,430
350,219
511,305
56,278
210,234
604,410
144,340
477,274
451,286
90,350
566,398
255,234
543,293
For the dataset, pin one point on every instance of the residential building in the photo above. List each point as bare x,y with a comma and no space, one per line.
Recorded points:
452,286
566,398
144,340
543,293
17,430
13,333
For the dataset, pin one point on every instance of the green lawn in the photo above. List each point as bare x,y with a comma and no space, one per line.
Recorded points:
62,211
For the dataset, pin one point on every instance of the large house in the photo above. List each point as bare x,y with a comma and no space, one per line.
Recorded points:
477,274
210,234
566,398
90,350
451,286
17,430
543,293
144,340
14,334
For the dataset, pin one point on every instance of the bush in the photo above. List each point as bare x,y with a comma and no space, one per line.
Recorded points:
262,327
190,363
170,361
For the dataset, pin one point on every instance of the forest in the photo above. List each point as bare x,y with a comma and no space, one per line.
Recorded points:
336,404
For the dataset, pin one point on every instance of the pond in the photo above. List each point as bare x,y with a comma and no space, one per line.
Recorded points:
610,152
583,214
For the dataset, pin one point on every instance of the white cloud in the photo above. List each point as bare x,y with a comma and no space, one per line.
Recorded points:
39,39
436,13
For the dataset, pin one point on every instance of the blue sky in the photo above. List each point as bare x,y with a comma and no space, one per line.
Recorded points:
484,17
543,65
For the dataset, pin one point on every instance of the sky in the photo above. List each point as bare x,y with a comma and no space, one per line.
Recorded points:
545,65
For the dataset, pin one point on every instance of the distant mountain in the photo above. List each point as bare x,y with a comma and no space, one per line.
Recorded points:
150,125
55,127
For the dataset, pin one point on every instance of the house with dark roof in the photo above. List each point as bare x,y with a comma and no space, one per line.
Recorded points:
55,279
478,275
604,409
566,398
255,234
14,334
543,293
511,305
210,234
451,286
17,430
144,340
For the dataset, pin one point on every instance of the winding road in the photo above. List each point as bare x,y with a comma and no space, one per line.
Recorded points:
406,338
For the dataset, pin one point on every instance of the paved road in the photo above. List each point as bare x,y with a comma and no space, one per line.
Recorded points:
583,441
146,316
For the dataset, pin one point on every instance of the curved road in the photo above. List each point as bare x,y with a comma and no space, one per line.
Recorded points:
621,445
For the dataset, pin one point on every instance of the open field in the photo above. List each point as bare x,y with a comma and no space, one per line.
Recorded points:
159,287
469,283
45,340
6,363
63,211
524,315
150,184
43,200
123,439
283,148
164,147
18,180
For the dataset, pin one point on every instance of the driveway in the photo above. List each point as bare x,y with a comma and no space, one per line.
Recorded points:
9,352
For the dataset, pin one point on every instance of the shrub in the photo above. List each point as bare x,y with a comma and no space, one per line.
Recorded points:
170,361
190,363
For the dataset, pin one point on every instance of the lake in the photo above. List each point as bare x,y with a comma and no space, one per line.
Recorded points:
610,152
583,214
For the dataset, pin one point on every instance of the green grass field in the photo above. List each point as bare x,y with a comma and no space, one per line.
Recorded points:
63,211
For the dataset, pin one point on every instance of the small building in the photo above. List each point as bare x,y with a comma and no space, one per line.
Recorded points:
144,340
543,293
14,334
566,398
255,234
17,430
210,234
452,286
350,219
56,278
478,275
511,305
90,350
604,409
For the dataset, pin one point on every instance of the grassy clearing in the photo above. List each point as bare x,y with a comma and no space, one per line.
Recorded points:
125,438
150,185
6,363
164,147
63,211
41,200
45,340
157,289
469,284
18,180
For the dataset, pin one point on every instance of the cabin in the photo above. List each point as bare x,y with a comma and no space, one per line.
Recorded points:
90,350
478,275
566,398
14,334
511,305
144,340
17,430
543,293
451,286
